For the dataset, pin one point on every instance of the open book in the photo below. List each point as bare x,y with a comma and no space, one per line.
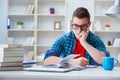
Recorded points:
63,66
65,63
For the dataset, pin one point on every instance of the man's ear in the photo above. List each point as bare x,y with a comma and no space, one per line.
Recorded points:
89,24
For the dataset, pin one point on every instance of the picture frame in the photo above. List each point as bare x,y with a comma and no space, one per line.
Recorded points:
57,25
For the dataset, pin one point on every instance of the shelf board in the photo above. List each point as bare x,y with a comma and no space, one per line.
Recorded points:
53,0
52,15
20,30
44,45
39,30
104,0
112,47
107,31
25,1
28,45
102,16
20,14
105,17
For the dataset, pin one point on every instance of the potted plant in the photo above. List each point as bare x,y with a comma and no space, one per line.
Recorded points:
20,24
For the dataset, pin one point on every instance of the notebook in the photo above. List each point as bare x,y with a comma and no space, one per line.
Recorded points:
47,69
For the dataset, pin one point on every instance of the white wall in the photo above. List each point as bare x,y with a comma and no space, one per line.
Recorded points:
71,6
3,13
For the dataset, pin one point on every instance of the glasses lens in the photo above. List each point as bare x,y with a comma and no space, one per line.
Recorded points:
75,26
84,26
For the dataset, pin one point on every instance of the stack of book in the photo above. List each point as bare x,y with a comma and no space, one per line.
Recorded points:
11,57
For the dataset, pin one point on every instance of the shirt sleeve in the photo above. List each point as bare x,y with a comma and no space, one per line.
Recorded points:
57,47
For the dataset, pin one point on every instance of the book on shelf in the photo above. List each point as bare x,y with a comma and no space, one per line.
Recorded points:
28,41
40,57
11,51
10,45
8,23
11,58
11,64
29,63
10,68
14,42
116,42
15,45
30,56
30,9
3,45
97,26
10,40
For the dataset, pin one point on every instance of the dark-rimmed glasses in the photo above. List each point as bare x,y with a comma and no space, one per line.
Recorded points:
82,27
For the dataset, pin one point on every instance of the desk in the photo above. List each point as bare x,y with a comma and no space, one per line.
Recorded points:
87,74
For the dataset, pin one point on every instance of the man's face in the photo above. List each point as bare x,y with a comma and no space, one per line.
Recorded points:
80,25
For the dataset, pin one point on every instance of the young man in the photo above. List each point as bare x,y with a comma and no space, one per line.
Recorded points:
78,41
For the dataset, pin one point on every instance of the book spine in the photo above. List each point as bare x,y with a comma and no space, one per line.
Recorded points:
8,23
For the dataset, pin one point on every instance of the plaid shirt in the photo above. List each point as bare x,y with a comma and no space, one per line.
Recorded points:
65,45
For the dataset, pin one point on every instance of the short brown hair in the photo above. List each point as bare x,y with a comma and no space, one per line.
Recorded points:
81,12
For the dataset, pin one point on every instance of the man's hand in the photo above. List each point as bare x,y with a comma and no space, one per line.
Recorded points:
80,61
83,35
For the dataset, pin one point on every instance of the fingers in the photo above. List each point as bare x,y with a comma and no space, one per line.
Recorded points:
84,62
87,30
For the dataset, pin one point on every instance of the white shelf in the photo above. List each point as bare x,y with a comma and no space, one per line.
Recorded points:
28,45
16,30
44,45
18,1
45,5
50,30
112,47
102,16
53,0
52,15
107,31
104,0
21,15
100,19
39,25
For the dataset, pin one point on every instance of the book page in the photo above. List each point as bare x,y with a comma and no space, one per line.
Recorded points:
65,62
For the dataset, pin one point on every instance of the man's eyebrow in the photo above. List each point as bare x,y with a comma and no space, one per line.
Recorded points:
80,25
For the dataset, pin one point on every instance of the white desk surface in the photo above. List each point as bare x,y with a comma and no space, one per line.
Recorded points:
87,74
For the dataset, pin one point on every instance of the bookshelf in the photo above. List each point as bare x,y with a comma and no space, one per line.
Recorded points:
100,20
38,24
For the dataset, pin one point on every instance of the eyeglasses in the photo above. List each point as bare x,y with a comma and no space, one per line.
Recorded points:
76,26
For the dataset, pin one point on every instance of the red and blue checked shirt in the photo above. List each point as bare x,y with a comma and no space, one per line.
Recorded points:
65,46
